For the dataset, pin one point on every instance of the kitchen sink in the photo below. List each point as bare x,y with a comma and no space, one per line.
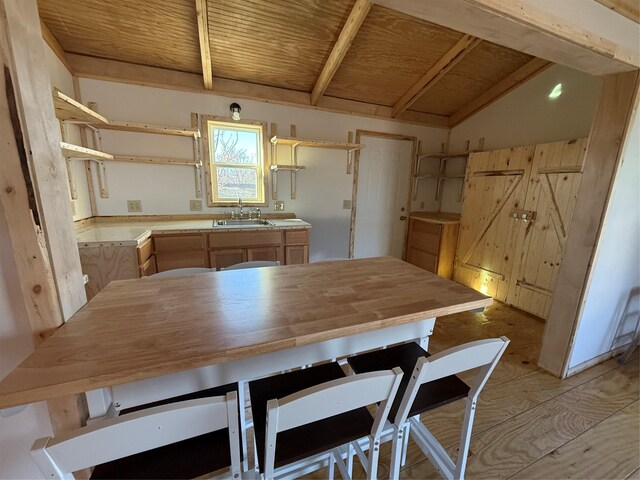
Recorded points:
240,223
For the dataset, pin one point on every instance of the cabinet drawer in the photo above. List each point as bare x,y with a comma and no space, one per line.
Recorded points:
296,237
172,243
426,227
172,260
422,259
148,267
244,239
145,251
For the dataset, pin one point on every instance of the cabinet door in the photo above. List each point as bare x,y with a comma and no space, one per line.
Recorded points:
495,184
556,174
270,254
423,244
173,260
296,255
224,258
148,267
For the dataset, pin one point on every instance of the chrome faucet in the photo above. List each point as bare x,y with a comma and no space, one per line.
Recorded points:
240,208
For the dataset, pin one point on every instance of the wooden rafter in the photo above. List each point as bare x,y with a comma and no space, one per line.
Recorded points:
341,47
435,73
54,45
504,86
203,34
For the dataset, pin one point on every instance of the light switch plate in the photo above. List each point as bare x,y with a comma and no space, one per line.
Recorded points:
195,205
134,206
278,205
346,204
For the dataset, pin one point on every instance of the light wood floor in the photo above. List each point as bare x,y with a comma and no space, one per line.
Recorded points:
530,424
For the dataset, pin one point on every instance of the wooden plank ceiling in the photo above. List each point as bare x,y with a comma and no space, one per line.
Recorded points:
393,64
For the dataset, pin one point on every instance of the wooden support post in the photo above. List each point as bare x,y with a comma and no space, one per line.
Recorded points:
84,142
610,126
33,189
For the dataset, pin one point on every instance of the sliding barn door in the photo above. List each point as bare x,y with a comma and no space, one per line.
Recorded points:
495,182
556,173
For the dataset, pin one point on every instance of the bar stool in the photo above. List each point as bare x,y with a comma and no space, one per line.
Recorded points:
177,440
306,419
431,382
255,264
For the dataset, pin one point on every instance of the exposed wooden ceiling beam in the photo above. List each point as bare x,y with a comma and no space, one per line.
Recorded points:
115,71
628,8
203,34
504,86
521,26
341,47
435,73
53,43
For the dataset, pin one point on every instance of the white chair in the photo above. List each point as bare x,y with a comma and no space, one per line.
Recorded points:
181,271
256,264
481,353
139,445
307,419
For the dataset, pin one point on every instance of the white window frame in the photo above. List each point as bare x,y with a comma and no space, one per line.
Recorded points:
210,167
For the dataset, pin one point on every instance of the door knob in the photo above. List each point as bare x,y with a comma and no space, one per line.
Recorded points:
403,217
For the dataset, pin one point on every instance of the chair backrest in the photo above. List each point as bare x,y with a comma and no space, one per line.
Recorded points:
481,353
181,271
137,432
256,264
330,399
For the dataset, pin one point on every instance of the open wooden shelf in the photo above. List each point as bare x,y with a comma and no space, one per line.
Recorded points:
437,176
445,155
156,160
293,168
299,142
68,110
70,150
150,128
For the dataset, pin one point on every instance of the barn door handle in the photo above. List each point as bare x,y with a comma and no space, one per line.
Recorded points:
403,217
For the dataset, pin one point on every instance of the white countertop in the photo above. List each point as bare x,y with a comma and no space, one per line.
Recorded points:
134,233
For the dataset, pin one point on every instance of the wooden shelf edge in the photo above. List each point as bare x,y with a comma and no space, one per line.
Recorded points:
155,160
69,110
447,155
70,150
299,142
150,128
275,168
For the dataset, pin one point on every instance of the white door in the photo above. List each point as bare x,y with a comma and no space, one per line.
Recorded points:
383,195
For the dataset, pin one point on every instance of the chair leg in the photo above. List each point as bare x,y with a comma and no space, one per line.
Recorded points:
243,426
350,453
465,437
332,466
405,438
396,452
374,453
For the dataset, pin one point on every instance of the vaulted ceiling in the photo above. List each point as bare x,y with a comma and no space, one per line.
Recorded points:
337,54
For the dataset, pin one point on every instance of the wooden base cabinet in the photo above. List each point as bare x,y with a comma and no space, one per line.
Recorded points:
431,244
180,251
296,246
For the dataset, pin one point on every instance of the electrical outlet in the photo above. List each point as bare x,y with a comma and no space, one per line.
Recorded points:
134,205
195,205
278,205
346,204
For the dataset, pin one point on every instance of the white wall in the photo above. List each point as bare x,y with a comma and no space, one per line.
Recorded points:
321,188
63,81
526,116
611,304
18,432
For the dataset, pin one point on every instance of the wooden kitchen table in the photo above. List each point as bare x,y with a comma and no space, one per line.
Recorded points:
146,339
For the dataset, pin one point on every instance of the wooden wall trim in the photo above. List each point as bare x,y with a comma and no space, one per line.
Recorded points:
340,48
610,126
203,35
115,71
499,90
522,27
53,43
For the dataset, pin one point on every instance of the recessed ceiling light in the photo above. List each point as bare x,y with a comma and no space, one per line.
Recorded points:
556,92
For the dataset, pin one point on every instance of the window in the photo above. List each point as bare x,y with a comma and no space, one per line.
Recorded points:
236,162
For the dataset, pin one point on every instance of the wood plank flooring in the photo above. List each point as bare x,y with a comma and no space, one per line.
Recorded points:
530,424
